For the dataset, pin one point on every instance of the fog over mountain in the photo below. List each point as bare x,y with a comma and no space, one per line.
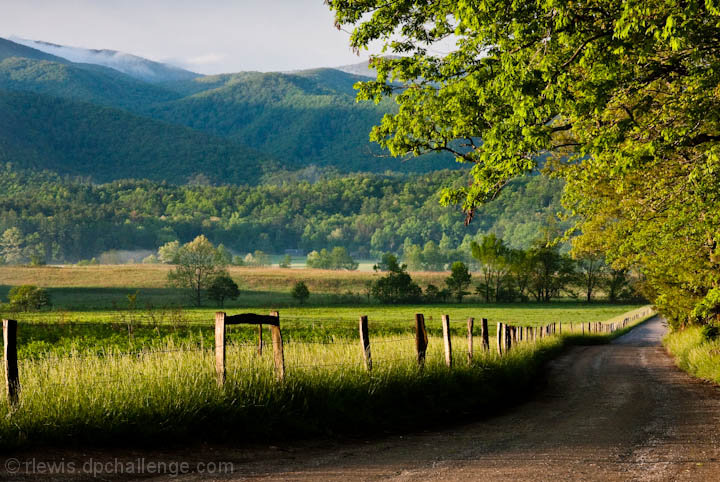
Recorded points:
132,65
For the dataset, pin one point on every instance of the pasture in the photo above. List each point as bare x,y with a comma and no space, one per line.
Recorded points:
90,372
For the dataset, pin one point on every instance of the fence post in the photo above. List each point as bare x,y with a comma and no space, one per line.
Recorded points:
12,379
220,347
470,323
485,334
446,338
421,338
365,342
560,328
277,342
500,340
508,338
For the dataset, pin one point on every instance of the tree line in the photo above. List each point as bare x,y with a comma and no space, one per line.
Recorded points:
46,218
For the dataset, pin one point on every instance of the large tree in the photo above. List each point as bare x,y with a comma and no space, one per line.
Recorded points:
620,98
198,265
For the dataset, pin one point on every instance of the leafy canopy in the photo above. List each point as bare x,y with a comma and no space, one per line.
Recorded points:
619,98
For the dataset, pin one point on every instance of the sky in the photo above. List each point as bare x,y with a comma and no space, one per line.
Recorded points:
206,36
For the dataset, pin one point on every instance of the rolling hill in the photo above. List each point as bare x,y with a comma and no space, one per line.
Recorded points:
215,125
82,139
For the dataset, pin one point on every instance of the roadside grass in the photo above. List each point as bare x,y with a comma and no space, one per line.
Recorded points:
168,393
167,396
695,354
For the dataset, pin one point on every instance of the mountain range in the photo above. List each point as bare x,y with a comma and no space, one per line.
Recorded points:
107,115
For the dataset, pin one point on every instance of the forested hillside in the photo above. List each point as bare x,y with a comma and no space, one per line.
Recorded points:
64,219
100,143
299,119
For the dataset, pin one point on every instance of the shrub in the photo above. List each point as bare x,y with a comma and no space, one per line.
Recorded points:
710,332
28,297
300,292
222,288
397,286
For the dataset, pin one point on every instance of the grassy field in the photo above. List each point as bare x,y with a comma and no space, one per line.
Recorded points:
94,369
169,392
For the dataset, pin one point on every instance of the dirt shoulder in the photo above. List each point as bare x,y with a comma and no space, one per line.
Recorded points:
614,412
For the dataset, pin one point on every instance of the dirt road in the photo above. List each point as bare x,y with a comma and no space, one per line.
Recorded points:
614,412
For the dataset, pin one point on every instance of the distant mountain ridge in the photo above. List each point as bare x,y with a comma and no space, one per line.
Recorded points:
231,128
132,65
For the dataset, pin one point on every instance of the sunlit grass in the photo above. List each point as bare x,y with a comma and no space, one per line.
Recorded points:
170,392
694,354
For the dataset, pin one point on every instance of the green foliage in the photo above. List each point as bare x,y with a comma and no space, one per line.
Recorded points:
338,258
28,298
300,292
169,253
459,280
396,286
366,214
198,265
222,287
11,246
618,98
710,332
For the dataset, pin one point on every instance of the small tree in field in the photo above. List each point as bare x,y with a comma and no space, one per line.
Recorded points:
396,286
221,288
27,298
198,264
459,280
300,292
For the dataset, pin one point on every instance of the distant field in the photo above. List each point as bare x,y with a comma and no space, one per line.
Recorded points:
107,287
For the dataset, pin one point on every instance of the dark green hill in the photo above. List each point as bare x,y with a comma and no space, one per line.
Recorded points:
83,82
303,118
70,137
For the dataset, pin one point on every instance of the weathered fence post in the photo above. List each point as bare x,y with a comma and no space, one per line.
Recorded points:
446,339
365,342
485,334
278,353
12,379
220,347
560,328
470,323
500,338
421,338
508,338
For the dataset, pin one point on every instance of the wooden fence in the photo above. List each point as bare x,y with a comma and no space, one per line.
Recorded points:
507,336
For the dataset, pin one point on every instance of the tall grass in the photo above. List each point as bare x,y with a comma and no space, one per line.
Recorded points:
172,393
694,353
169,392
